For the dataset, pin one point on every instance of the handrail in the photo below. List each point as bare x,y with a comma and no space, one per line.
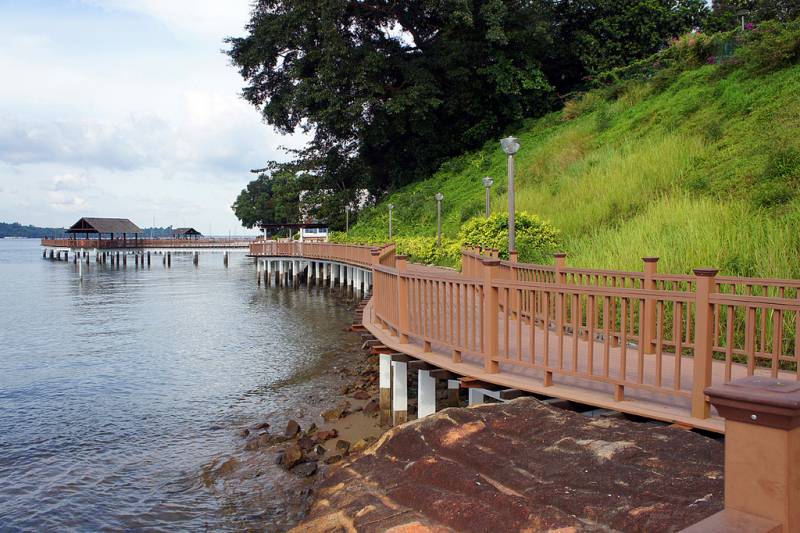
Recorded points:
105,244
668,335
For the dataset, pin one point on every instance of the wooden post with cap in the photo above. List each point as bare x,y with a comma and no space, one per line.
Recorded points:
705,281
762,446
491,309
649,333
401,264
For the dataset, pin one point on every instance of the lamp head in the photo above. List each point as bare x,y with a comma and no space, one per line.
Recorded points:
488,182
510,145
391,206
439,197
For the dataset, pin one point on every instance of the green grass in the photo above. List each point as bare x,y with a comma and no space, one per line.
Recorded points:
703,170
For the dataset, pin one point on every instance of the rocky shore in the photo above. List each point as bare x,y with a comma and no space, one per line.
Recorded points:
523,466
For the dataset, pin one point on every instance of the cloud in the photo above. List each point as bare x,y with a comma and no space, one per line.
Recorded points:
65,202
70,182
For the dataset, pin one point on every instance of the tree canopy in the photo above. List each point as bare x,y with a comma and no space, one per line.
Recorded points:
390,89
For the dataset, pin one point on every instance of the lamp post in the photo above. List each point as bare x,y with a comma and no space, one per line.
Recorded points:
510,146
439,197
391,208
347,219
487,184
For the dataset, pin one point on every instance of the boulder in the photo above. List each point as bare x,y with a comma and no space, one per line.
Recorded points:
372,407
524,466
291,456
337,412
306,443
343,446
326,434
361,395
305,469
292,429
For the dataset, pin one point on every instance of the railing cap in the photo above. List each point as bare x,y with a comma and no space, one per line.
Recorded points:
650,259
490,261
706,272
560,255
759,400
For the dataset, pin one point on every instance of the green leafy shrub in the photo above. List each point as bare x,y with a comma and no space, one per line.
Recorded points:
770,46
536,238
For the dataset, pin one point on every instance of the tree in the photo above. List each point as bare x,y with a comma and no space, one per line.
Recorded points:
271,198
727,13
390,89
595,36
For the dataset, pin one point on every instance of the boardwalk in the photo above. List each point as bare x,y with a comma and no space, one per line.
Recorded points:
637,342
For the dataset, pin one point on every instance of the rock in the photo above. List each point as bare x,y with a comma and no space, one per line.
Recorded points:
372,407
306,443
311,429
343,446
305,469
263,425
292,429
333,459
244,432
227,467
361,395
553,469
360,445
326,434
261,441
337,412
344,389
319,451
291,456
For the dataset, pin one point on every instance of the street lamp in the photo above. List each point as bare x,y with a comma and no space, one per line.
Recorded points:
487,184
391,208
347,219
510,146
439,197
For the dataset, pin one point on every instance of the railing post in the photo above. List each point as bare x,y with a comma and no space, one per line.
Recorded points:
705,280
649,333
401,263
561,278
561,263
491,310
762,444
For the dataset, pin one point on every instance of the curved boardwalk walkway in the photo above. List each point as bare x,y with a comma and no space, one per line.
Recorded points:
643,343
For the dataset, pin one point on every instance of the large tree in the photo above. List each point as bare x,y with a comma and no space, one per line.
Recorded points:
391,88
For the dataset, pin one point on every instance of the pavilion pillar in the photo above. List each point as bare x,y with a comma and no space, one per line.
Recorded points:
475,396
453,389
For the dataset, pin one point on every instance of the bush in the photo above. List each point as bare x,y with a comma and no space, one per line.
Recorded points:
770,47
536,239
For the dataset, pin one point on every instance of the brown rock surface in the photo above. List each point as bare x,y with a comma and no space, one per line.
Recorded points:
524,466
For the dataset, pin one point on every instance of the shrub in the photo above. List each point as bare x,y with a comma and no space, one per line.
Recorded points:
536,239
771,46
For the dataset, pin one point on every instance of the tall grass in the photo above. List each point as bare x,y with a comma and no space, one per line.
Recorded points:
701,171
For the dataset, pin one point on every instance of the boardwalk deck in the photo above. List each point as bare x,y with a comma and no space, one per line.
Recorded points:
632,342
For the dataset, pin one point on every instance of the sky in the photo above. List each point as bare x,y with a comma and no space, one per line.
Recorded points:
126,108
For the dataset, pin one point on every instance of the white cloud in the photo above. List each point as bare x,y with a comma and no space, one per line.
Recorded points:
126,108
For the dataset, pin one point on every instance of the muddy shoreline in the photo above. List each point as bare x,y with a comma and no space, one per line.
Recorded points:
294,452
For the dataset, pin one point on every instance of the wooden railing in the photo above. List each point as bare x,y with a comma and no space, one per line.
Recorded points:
668,335
345,253
107,244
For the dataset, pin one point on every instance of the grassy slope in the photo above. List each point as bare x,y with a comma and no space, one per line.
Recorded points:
702,173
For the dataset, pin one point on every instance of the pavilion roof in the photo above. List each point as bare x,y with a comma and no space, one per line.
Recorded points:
104,225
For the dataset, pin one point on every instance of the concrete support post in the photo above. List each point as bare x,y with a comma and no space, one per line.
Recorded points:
762,444
309,268
453,388
706,283
475,396
385,384
426,393
649,333
258,271
169,259
399,392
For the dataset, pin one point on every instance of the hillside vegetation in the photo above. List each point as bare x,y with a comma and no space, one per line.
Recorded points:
692,155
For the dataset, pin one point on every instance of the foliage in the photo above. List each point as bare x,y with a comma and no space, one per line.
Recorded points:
702,171
16,229
272,198
390,90
727,13
536,239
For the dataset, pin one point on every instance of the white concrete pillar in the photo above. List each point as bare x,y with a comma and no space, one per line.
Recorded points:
385,388
399,392
476,396
426,393
309,267
453,387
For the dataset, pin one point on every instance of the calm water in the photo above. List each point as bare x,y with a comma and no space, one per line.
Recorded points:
114,392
